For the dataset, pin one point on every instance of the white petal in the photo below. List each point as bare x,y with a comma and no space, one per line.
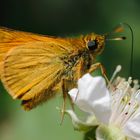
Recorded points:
73,93
132,127
93,97
102,108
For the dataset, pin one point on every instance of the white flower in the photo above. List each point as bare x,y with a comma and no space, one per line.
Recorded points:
116,107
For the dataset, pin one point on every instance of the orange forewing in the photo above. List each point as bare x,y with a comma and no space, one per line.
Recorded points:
10,38
31,70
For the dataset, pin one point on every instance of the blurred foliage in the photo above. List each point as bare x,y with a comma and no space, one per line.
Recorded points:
65,18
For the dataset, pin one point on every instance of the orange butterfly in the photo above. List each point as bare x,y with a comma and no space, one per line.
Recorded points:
35,67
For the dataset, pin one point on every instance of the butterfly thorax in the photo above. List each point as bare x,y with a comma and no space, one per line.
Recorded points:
72,62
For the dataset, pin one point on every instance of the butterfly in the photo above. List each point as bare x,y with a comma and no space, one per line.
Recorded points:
34,68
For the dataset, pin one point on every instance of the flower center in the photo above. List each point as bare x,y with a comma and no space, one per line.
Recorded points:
125,103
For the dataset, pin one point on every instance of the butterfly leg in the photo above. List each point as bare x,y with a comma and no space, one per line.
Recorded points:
71,83
65,86
95,67
64,91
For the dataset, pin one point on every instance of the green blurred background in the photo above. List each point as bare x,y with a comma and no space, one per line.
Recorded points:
65,18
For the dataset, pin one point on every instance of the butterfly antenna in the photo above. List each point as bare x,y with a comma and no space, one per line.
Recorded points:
120,28
132,47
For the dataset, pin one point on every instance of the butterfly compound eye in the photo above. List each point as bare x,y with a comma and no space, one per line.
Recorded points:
92,45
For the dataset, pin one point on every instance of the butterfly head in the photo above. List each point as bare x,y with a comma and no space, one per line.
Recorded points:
95,43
